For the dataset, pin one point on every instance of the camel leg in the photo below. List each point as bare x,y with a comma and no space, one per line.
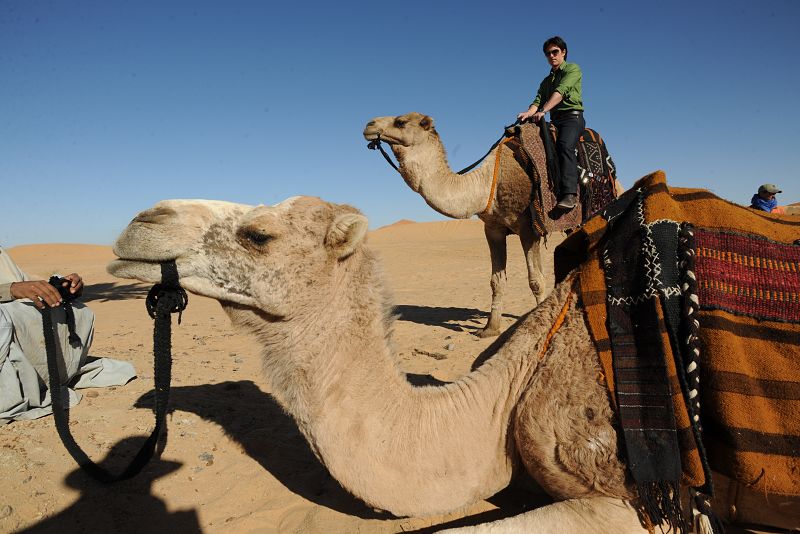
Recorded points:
531,246
496,238
598,514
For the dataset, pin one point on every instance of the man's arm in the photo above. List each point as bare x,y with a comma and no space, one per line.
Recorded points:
552,102
525,115
40,292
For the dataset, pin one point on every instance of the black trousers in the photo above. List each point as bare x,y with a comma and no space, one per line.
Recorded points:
570,127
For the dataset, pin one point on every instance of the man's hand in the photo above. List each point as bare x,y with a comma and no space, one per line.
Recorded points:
534,114
39,291
75,283
42,294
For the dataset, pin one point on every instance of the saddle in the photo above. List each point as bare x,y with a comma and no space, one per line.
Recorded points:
693,304
596,176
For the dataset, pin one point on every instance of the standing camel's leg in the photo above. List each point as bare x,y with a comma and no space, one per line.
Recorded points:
531,246
597,514
496,238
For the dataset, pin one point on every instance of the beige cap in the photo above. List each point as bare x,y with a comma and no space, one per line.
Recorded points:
769,188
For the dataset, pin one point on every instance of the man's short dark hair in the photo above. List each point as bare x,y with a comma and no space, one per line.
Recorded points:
555,41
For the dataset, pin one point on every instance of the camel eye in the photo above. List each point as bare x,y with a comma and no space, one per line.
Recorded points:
400,123
255,237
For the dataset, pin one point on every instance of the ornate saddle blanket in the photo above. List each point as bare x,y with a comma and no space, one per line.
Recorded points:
596,177
693,303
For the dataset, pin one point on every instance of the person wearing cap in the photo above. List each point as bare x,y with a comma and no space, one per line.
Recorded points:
765,199
560,95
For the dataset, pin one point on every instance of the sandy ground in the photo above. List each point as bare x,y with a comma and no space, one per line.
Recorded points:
234,462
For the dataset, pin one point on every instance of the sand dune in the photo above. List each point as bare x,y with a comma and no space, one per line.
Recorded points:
429,231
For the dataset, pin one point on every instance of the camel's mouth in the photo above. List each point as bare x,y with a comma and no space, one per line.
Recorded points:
377,135
149,271
136,269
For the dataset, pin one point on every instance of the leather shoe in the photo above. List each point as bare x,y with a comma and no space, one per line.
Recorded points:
567,202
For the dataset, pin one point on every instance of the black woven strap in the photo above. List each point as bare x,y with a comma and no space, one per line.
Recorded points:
164,299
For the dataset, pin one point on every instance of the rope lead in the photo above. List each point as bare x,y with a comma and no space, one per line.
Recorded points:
164,299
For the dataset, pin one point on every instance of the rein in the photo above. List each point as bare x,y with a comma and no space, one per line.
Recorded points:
376,143
163,299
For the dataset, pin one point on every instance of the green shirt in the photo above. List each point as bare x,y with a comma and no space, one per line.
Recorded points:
567,81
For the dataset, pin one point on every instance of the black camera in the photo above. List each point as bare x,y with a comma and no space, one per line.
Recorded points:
63,290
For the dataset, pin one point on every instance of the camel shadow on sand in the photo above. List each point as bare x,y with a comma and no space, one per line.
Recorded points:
255,421
112,291
447,317
123,507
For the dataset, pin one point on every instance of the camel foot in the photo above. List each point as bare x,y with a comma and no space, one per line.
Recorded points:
489,332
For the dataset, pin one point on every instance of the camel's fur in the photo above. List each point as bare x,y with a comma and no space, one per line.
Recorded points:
299,277
423,165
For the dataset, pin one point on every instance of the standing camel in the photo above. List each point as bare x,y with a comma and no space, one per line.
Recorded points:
506,210
299,277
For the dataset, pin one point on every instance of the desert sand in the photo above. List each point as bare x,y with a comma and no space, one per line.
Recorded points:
234,462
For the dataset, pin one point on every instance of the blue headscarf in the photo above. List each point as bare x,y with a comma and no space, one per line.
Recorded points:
764,205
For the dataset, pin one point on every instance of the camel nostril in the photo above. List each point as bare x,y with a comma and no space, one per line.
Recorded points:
155,215
371,123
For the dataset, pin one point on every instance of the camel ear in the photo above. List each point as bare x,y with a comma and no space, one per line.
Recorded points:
346,233
426,123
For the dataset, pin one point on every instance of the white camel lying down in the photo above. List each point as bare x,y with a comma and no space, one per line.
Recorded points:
299,277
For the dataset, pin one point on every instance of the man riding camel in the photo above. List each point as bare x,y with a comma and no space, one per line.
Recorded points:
560,95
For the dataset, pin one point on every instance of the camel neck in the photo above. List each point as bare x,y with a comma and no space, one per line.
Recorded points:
406,449
460,196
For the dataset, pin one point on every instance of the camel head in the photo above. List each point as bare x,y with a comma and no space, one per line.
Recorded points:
402,131
274,259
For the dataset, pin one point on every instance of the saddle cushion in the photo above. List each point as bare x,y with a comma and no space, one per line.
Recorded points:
596,173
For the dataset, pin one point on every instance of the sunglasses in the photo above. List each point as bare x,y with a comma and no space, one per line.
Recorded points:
552,52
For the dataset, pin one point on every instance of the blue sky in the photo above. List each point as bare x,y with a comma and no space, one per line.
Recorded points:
107,106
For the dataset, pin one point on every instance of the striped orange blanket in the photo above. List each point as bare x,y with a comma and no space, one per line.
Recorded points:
694,305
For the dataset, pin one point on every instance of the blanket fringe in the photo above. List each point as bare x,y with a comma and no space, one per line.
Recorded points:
660,501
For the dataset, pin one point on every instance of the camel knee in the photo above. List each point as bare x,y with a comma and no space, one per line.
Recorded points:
537,285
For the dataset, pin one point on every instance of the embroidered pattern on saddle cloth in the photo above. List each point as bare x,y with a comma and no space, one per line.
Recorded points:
702,322
748,275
